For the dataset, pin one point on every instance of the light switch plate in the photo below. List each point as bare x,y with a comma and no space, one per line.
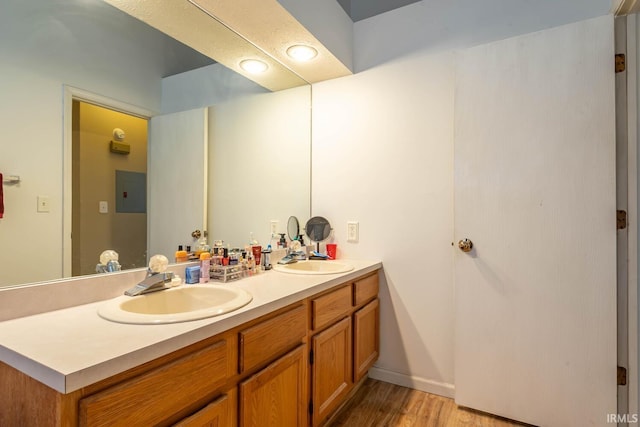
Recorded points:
103,207
274,227
352,231
43,204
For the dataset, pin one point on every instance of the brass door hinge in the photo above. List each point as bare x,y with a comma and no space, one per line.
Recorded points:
621,63
621,220
622,375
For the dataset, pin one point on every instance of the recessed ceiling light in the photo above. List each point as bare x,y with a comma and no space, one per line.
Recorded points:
301,52
253,66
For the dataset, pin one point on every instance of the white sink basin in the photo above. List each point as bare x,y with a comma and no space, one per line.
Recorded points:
180,304
314,267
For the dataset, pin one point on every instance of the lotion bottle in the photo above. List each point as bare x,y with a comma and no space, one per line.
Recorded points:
205,265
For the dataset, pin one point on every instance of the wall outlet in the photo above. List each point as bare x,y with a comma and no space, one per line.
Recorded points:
274,227
352,231
43,204
103,207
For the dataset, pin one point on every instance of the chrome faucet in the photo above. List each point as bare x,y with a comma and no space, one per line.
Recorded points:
152,283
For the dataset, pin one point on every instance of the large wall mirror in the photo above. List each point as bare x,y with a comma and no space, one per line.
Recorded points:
251,167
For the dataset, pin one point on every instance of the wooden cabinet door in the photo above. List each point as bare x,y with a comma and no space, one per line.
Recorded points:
331,370
277,395
220,413
366,338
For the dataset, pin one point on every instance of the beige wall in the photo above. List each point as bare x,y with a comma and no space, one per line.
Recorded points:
94,181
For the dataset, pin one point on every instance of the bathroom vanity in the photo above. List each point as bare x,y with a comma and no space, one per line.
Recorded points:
291,357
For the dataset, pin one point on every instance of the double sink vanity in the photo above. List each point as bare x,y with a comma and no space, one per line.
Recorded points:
289,355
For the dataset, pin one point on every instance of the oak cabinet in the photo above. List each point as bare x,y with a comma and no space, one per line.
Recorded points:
330,307
270,338
365,289
277,395
331,369
159,395
366,338
220,413
344,345
293,367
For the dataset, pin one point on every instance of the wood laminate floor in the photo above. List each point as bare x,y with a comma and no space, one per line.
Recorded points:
381,404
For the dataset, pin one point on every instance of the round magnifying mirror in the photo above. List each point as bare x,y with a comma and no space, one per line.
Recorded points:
293,228
318,229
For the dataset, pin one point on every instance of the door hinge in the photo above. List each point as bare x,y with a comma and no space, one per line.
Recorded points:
311,357
621,217
311,407
621,63
622,375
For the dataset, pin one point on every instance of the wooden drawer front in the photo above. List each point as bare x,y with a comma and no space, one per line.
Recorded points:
160,394
330,307
366,338
270,338
365,289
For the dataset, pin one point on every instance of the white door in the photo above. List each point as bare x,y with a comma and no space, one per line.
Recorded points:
177,189
535,193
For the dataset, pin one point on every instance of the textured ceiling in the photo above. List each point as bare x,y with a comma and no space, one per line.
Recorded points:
363,9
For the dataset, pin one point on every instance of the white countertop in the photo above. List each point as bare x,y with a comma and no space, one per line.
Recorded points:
71,348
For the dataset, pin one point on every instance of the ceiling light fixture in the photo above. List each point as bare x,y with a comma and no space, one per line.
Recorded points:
253,66
301,52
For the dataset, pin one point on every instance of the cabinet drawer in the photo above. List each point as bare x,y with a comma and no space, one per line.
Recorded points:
330,307
157,395
365,289
270,338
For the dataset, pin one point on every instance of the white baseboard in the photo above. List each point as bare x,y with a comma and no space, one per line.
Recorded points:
417,383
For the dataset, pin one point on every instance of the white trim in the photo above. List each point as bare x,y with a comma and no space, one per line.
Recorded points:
416,383
622,202
69,94
205,174
632,213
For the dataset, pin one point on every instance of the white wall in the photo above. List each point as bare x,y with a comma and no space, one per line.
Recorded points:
258,164
383,155
43,48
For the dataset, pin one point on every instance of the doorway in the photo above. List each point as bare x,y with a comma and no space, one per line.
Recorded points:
108,190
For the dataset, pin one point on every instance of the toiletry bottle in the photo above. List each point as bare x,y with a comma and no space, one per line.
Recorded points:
225,257
181,256
201,247
266,258
205,266
283,241
251,264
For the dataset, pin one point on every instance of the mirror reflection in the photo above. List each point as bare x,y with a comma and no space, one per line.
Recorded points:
248,166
